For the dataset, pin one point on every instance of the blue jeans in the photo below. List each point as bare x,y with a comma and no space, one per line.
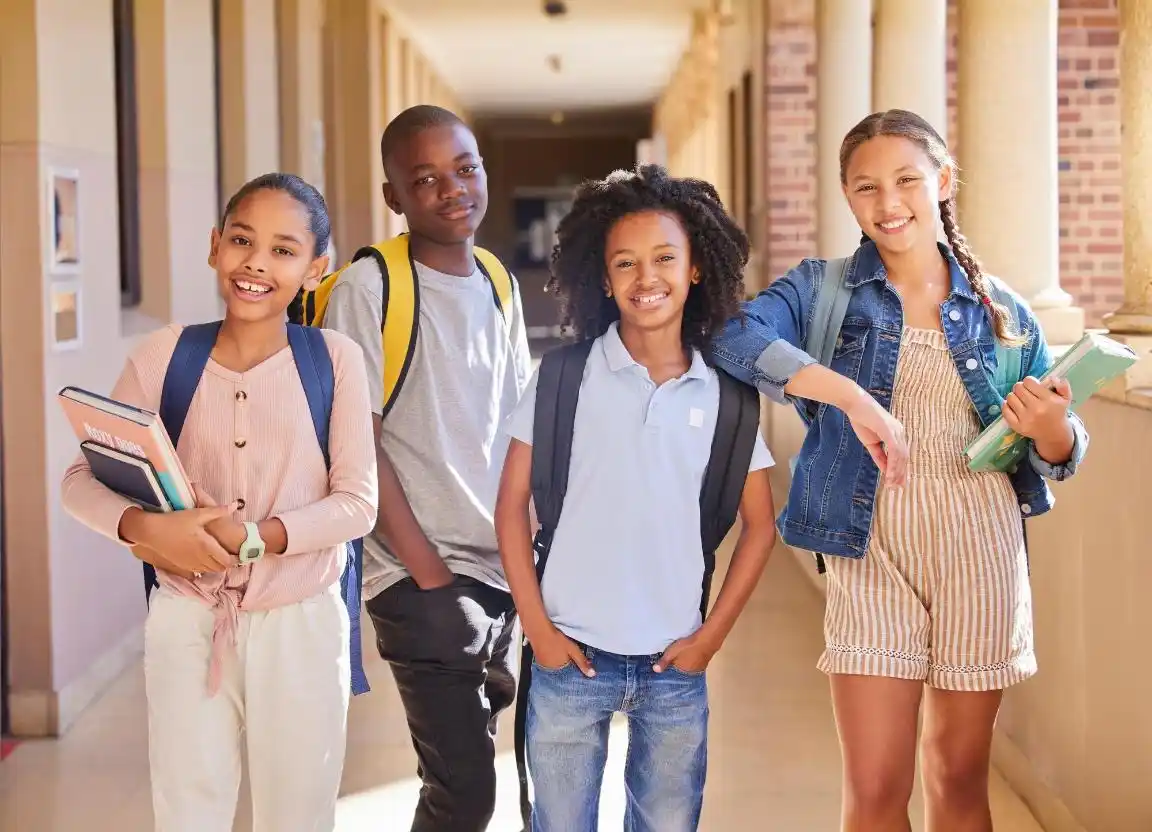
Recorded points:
567,743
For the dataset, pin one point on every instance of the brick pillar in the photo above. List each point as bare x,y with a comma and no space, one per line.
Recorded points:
1135,315
844,96
910,59
1008,133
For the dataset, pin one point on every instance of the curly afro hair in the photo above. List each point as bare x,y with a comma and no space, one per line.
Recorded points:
719,250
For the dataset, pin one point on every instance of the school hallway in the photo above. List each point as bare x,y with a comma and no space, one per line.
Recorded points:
126,124
773,756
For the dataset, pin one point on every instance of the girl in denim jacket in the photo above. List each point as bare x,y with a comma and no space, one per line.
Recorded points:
928,582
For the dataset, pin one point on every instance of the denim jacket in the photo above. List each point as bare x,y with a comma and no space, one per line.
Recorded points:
833,491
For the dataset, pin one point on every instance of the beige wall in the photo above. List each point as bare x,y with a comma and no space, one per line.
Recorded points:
75,602
1075,741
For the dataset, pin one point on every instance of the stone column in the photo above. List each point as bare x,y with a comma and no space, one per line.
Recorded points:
1135,315
300,26
1010,202
249,115
354,123
844,96
910,59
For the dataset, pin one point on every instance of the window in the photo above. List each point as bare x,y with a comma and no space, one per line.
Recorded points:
127,150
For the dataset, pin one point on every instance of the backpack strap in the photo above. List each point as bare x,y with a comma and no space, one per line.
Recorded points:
1008,359
498,277
557,395
554,419
823,331
737,425
189,358
317,377
828,317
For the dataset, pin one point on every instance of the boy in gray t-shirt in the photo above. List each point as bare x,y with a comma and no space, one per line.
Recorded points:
433,581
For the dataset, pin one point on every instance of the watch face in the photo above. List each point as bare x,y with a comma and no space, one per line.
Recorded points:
251,554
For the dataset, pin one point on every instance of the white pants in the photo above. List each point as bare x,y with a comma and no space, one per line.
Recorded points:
284,692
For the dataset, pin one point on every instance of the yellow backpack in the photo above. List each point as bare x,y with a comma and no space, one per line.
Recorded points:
401,301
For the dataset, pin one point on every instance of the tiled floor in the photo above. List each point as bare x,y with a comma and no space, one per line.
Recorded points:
774,762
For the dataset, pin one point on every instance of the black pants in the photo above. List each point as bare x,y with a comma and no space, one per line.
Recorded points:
450,650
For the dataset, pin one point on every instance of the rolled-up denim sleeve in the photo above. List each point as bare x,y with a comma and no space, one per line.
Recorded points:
1064,470
762,346
1039,364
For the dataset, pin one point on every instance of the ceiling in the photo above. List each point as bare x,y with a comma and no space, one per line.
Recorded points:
613,53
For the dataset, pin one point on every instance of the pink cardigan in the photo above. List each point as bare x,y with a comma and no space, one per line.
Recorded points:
248,436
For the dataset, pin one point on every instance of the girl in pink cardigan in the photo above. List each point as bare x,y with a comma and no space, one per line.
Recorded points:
254,653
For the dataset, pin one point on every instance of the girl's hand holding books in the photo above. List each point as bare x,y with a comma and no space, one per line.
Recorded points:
1036,410
180,537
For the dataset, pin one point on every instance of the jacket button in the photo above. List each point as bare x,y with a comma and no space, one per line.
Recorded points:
240,503
240,443
971,364
1025,508
241,395
953,315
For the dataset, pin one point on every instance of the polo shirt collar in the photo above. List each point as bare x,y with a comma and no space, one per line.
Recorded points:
618,357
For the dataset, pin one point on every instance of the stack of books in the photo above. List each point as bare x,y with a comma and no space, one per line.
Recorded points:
1089,365
128,450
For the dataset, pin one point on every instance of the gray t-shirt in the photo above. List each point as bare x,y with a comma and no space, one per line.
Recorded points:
443,434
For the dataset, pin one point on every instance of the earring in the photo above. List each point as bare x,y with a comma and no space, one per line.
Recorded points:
608,291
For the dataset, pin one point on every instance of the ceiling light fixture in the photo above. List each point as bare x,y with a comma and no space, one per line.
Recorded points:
555,8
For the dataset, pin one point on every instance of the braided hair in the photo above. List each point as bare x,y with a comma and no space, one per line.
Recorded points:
908,125
719,250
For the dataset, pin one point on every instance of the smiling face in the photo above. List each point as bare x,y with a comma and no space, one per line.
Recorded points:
649,271
436,179
264,255
894,190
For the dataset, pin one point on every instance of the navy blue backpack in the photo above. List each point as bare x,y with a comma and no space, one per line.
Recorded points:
314,365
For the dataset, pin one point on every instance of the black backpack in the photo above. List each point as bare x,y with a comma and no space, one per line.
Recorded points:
557,392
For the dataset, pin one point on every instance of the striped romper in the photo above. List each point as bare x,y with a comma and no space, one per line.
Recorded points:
942,593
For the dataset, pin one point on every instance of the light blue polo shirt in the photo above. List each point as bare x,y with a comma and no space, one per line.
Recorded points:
626,565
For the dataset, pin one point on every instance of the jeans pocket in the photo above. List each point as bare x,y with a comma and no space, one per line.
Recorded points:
537,666
691,674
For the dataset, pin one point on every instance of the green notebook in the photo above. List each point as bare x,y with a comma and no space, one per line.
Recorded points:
1089,365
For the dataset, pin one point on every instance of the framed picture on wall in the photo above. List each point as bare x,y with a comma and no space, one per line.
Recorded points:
64,315
63,221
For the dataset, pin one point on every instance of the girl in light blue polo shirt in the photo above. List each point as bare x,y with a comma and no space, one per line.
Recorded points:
651,267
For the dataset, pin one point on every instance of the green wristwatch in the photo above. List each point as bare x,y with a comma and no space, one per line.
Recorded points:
252,549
